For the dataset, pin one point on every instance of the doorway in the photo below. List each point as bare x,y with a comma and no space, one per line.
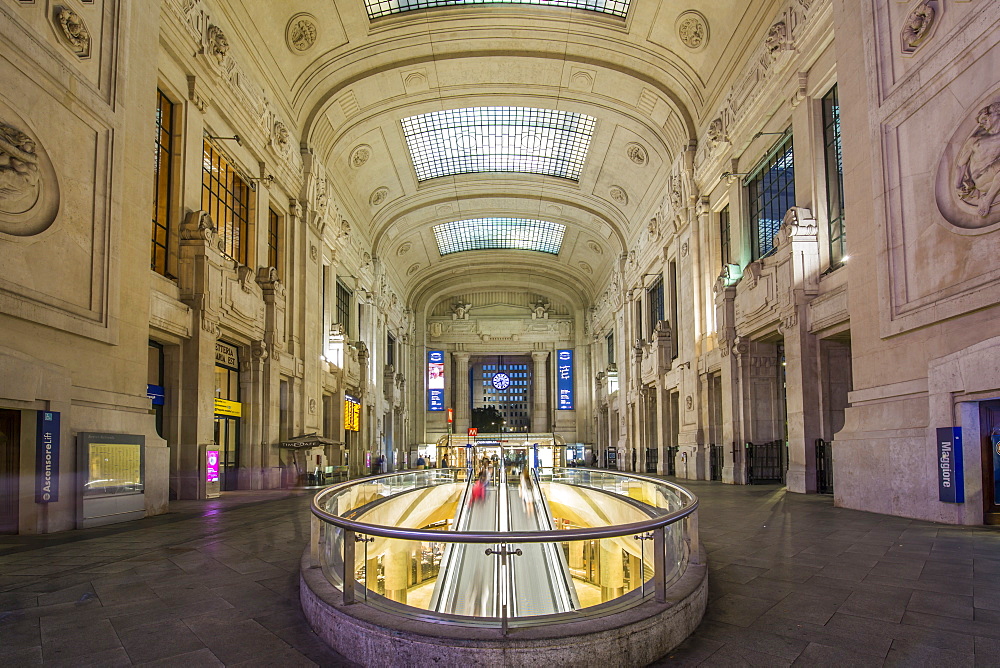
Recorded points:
989,427
227,437
10,470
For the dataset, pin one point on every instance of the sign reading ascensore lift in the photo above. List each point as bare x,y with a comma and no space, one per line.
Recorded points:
47,457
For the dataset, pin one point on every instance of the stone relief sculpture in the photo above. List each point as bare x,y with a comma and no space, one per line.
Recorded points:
360,155
636,153
968,180
777,38
541,310
918,25
218,45
74,30
301,33
378,196
692,30
29,192
978,164
460,311
619,195
282,137
20,179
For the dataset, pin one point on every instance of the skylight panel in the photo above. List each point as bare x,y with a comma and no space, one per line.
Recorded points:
378,8
499,233
498,139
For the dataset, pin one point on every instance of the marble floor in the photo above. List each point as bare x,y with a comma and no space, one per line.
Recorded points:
793,580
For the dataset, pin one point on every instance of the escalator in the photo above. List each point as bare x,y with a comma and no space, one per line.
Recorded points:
537,582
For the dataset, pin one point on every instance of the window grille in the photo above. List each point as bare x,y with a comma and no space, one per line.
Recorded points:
770,192
834,177
162,183
225,195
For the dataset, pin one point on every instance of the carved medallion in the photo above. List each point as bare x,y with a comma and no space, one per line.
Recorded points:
301,33
414,268
595,247
692,30
360,155
619,195
918,26
637,154
587,269
968,176
404,248
715,132
777,39
29,192
378,196
74,31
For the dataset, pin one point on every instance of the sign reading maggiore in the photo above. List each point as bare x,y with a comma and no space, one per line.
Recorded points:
47,458
951,479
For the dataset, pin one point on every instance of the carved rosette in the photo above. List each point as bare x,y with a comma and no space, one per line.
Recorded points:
74,31
637,153
967,189
378,196
301,33
692,30
619,195
360,155
29,192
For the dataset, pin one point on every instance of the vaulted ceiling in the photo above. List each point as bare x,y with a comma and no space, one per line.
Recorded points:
648,89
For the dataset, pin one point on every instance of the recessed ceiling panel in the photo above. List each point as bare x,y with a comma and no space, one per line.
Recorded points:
377,8
498,139
499,233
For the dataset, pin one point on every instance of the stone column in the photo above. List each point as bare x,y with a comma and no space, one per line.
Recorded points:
612,570
396,562
540,380
460,381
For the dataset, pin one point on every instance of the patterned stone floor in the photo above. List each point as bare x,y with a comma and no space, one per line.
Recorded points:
793,580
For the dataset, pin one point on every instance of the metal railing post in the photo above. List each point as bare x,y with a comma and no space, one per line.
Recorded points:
660,563
348,578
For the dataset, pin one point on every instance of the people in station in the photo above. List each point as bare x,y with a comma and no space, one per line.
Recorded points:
444,461
526,492
421,462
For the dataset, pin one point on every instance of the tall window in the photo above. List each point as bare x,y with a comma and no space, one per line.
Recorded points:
274,241
611,348
654,302
724,237
834,177
390,350
344,307
162,181
771,192
225,195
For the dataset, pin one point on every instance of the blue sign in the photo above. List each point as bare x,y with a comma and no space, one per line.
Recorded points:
47,458
951,478
564,379
435,380
155,393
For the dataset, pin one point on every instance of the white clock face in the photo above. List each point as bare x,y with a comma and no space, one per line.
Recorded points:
501,381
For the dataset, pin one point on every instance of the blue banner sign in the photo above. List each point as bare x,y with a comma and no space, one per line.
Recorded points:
435,380
564,379
155,394
951,479
47,458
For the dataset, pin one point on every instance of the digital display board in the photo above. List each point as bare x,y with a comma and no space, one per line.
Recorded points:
352,413
212,466
435,380
564,379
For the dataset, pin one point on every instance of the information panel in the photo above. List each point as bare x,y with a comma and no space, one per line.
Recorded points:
951,479
352,413
564,379
435,380
113,463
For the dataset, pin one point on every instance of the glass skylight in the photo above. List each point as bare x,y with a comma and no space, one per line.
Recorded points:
503,233
498,139
377,8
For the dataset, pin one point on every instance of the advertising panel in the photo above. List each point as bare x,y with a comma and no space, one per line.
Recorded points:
564,379
47,458
211,466
951,479
435,380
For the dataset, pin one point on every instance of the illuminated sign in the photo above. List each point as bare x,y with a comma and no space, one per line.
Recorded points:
47,457
435,380
564,379
212,466
352,413
230,408
951,475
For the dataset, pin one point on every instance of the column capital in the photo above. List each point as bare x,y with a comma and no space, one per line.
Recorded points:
461,356
540,355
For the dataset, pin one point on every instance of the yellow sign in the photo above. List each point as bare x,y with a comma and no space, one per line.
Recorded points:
352,415
226,407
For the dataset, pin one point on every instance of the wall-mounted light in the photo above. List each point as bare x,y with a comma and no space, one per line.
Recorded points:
235,138
266,181
761,134
730,175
